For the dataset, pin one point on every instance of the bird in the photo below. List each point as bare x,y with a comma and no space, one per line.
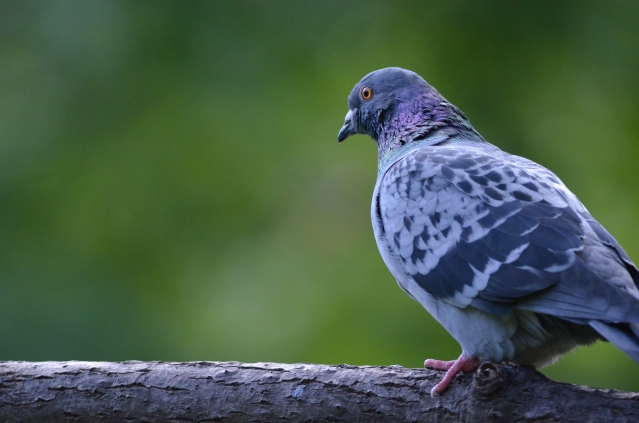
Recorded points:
493,245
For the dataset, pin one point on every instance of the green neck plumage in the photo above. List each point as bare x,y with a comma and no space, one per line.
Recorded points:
393,150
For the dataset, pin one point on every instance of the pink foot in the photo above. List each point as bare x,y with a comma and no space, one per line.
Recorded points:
462,364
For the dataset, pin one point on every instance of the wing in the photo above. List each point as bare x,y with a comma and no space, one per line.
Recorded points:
474,226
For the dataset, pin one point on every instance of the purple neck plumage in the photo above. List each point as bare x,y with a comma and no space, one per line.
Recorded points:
430,118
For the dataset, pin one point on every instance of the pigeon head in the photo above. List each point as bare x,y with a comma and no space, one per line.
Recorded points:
395,107
377,96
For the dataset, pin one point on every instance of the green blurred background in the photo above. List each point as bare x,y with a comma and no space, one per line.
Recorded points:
171,187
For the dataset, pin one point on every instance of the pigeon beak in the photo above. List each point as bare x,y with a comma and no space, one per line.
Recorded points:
347,129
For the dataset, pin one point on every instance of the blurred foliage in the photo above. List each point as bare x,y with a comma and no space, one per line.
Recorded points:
171,187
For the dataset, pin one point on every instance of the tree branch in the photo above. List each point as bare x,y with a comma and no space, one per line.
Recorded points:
267,392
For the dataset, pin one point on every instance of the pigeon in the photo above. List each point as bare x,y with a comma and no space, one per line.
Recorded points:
492,245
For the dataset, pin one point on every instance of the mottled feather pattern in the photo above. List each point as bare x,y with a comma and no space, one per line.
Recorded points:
459,215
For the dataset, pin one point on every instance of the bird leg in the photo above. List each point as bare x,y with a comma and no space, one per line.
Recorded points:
462,364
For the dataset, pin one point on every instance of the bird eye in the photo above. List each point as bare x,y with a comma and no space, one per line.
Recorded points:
367,93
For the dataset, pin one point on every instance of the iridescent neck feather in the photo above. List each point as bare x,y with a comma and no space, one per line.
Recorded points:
429,120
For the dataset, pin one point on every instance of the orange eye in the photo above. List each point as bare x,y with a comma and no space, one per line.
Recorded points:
367,93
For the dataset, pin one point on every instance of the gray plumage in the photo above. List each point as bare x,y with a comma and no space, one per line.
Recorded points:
493,245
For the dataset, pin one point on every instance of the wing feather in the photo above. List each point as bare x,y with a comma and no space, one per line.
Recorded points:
494,231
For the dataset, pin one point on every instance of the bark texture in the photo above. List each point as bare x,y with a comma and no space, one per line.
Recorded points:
268,392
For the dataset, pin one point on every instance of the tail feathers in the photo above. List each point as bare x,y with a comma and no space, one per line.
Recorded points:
624,335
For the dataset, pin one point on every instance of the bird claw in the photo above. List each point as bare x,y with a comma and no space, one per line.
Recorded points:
462,364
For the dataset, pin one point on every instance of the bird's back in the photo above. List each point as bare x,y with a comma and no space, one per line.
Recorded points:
478,235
